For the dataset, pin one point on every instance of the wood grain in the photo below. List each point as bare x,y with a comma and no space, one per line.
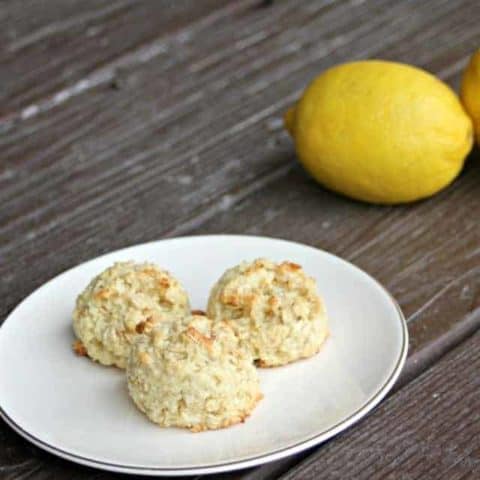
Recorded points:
428,430
174,127
87,39
21,21
83,187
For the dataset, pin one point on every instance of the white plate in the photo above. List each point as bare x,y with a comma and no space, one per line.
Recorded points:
81,411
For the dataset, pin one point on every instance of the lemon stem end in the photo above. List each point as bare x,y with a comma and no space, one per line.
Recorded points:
289,121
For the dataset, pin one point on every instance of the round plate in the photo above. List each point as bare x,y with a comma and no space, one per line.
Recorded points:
81,411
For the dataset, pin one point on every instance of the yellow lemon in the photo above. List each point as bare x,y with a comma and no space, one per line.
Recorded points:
380,131
470,91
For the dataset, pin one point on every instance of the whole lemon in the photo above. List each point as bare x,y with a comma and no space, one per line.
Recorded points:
382,132
470,91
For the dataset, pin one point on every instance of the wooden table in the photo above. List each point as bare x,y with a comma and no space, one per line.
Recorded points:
128,121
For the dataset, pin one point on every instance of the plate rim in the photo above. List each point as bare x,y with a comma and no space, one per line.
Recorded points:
252,461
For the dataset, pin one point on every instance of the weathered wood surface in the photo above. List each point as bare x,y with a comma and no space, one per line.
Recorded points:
49,47
176,129
180,159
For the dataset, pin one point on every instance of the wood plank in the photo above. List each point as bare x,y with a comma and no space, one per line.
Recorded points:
428,430
84,37
84,191
138,161
19,21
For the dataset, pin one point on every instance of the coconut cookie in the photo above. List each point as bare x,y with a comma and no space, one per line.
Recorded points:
123,301
192,374
274,309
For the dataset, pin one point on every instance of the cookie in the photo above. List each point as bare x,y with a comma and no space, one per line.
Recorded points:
274,309
192,374
122,302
